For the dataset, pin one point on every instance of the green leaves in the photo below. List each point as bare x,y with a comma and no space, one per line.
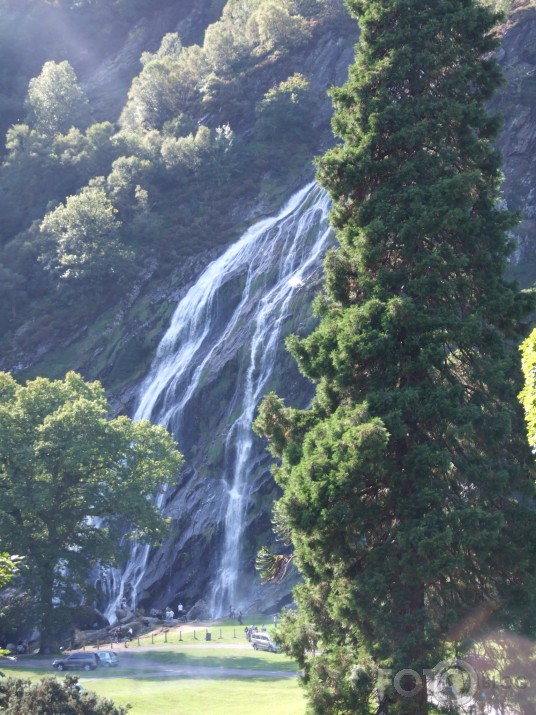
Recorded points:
528,394
55,101
285,109
85,236
24,697
9,566
71,479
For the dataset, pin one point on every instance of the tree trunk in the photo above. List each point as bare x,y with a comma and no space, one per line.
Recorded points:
48,642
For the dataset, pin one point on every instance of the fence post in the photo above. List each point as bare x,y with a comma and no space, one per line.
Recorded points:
234,632
195,637
180,635
138,640
152,638
220,635
165,636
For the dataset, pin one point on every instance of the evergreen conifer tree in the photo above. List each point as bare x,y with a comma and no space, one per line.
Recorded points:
407,486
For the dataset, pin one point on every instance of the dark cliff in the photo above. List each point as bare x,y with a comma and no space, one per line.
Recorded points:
516,102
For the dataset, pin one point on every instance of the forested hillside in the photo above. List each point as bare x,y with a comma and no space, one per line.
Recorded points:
137,151
139,135
101,193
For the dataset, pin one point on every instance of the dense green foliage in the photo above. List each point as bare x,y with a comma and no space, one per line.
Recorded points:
55,101
528,394
408,485
72,482
50,695
85,237
165,178
8,568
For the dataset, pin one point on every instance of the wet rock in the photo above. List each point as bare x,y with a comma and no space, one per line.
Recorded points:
199,612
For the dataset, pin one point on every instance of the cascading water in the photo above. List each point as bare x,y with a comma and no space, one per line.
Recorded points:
274,258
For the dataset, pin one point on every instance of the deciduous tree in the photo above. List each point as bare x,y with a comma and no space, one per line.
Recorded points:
50,695
275,26
169,82
71,481
528,394
284,112
84,237
55,100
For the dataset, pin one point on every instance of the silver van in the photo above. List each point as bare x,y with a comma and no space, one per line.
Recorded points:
262,641
107,658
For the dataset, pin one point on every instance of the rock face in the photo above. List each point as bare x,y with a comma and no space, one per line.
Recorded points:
222,352
516,102
186,566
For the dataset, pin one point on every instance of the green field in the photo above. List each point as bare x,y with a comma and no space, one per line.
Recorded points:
223,658
149,678
193,696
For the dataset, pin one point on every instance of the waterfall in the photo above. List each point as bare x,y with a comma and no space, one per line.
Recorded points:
274,258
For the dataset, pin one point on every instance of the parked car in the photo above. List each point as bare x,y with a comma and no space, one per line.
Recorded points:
77,661
107,658
262,641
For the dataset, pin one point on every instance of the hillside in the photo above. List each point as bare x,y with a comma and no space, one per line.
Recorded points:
175,127
184,167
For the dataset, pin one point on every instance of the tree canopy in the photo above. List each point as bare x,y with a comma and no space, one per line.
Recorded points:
84,235
50,695
72,482
55,101
169,165
408,485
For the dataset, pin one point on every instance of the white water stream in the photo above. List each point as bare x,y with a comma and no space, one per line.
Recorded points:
275,258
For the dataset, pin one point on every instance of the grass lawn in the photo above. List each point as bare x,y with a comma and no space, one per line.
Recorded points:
186,696
156,690
193,696
223,658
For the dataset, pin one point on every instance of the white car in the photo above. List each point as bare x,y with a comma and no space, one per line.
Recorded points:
107,658
262,641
